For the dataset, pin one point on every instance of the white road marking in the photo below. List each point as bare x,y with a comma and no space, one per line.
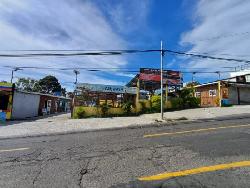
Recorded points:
16,149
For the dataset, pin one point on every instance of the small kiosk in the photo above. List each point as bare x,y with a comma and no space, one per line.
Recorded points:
6,99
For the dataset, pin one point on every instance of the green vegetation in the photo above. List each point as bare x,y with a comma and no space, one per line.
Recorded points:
156,103
79,113
176,103
127,107
104,109
48,84
185,100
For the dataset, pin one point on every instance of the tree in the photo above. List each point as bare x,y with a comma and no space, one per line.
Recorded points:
49,85
63,92
27,84
190,84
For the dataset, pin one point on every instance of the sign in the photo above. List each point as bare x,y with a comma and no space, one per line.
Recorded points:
154,75
106,88
4,86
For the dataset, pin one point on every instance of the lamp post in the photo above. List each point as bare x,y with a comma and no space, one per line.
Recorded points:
218,72
12,73
76,73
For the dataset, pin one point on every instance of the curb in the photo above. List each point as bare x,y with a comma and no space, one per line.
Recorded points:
138,126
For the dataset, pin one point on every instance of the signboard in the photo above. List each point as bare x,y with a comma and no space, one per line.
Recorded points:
154,75
4,86
106,88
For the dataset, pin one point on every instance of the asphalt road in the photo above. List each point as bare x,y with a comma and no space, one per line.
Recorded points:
129,158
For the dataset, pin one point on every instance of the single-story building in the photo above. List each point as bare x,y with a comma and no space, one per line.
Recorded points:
235,91
96,94
6,96
16,104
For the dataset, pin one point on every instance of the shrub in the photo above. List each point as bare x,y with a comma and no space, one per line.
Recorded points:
104,109
79,113
127,107
193,102
145,106
176,103
156,103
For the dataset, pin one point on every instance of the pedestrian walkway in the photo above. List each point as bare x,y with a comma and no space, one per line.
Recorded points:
63,124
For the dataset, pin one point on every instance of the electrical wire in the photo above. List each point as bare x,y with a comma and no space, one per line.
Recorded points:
208,57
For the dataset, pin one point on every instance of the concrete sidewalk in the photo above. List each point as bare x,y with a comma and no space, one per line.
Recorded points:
63,123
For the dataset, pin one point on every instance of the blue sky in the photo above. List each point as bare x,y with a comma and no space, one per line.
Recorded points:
184,25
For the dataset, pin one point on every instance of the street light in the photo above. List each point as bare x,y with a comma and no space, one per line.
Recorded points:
76,73
12,73
218,72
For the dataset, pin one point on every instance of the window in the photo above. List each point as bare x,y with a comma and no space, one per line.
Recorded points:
212,92
197,94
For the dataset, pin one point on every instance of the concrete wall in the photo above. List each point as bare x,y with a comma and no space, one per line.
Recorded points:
244,95
25,105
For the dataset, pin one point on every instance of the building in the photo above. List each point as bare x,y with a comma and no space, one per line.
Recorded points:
231,91
50,104
16,104
97,94
25,105
6,96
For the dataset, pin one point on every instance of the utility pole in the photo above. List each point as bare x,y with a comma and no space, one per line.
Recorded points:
193,73
162,53
75,93
12,73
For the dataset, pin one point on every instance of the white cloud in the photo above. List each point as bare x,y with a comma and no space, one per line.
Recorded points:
129,16
219,18
58,24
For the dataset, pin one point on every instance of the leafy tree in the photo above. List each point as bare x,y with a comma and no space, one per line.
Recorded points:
195,83
50,84
63,91
27,84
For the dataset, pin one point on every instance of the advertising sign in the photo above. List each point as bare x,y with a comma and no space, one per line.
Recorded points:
4,86
106,88
154,75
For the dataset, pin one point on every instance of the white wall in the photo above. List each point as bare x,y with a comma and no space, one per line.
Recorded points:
25,105
239,73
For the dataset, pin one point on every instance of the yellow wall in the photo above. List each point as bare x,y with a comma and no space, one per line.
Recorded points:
8,114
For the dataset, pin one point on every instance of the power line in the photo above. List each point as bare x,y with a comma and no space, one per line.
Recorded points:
208,57
80,53
121,52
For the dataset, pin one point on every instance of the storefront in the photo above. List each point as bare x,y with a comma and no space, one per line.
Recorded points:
6,96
